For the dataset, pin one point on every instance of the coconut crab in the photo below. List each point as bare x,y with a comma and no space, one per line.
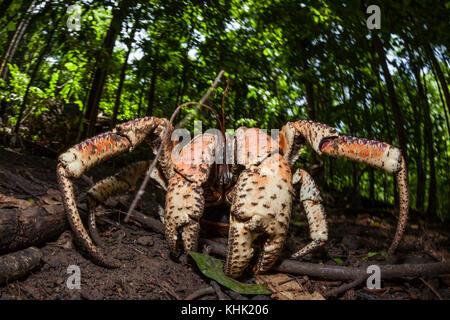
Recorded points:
259,184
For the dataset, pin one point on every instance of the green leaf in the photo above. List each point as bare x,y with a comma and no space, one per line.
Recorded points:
213,268
11,26
70,66
337,260
372,254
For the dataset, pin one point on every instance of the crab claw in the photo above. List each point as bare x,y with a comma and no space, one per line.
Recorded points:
184,208
260,211
185,200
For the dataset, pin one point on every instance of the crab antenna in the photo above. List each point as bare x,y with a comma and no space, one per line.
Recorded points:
166,136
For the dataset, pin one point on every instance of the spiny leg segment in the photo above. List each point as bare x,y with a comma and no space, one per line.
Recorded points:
312,202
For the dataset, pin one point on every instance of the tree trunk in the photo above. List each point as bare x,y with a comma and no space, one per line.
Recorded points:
141,95
151,95
17,37
439,73
395,107
310,109
34,73
428,132
122,75
418,141
103,60
388,127
446,113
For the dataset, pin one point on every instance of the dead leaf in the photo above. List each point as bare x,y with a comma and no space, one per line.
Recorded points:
10,202
284,287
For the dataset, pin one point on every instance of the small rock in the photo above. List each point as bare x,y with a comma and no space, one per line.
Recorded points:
145,241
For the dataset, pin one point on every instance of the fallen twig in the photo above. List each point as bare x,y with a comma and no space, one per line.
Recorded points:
337,291
431,288
200,292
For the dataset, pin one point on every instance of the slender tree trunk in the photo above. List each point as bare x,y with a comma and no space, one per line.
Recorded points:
418,137
428,131
34,73
17,37
442,100
122,74
101,71
308,83
390,135
395,107
151,94
439,73
141,96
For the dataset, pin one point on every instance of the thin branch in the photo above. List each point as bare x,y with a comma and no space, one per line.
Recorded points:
431,288
202,100
345,287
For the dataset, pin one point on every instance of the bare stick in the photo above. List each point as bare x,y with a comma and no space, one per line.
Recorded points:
202,100
345,287
431,288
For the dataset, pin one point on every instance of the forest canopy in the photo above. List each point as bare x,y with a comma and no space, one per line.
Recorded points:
72,69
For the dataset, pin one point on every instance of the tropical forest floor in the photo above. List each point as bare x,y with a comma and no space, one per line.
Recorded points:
148,271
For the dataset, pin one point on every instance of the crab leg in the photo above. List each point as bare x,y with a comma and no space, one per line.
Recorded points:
379,155
185,199
326,140
80,158
121,182
261,207
184,208
315,212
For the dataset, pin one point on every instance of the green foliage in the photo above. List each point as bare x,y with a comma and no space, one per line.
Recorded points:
213,268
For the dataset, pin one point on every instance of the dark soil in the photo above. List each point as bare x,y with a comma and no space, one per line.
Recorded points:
149,272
